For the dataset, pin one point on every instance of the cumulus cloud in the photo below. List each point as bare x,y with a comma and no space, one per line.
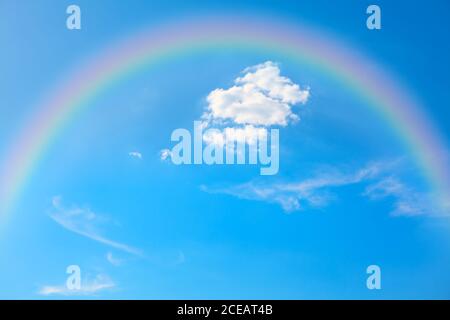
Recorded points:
85,222
260,97
89,287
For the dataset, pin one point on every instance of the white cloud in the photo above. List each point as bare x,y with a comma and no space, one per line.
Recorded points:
135,154
89,287
86,223
181,258
113,260
407,202
247,134
261,97
294,196
316,192
164,154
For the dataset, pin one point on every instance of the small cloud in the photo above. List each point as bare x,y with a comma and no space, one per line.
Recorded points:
113,260
85,222
135,154
90,287
165,154
407,202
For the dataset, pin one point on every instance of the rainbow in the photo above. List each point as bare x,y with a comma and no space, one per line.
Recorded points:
398,107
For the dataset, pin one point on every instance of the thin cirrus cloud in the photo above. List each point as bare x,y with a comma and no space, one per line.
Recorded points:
407,202
89,287
317,192
86,223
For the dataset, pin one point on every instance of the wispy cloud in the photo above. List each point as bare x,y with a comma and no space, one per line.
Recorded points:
89,287
135,154
113,260
407,202
317,191
86,223
293,196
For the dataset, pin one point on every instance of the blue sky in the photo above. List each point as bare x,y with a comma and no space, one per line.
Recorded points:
140,227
